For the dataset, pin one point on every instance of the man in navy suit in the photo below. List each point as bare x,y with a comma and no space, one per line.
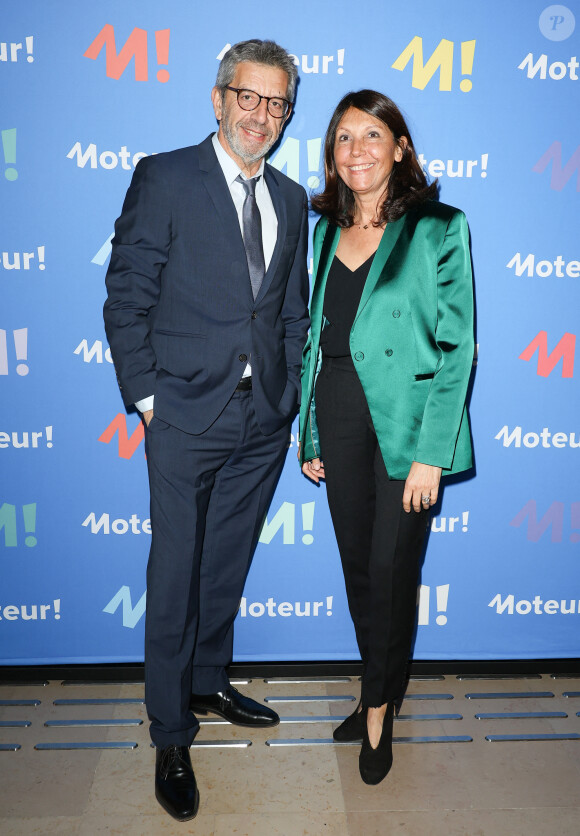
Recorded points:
206,317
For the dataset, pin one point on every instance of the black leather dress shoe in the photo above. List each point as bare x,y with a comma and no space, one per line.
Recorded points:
353,728
175,784
235,707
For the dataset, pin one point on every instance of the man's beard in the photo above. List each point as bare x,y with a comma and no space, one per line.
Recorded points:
239,149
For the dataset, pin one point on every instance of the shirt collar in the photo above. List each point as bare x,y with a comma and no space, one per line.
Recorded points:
228,165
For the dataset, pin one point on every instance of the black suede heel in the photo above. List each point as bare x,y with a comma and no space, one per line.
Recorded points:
374,764
353,728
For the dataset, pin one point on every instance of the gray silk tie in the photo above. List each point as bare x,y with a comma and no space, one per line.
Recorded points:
252,226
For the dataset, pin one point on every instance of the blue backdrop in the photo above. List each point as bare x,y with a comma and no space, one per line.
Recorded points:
491,95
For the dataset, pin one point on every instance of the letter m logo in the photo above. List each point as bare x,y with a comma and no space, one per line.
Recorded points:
135,47
442,60
127,444
131,614
560,176
553,517
546,362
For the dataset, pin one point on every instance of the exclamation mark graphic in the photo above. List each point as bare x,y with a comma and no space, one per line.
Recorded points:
21,346
162,46
484,165
467,55
56,603
423,596
329,605
29,514
442,598
48,436
9,146
307,522
465,515
41,264
29,48
575,521
340,61
313,146
3,353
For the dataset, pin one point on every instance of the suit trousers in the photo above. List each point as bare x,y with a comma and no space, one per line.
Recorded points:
380,545
209,497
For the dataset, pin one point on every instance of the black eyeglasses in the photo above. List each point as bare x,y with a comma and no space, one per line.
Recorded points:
248,100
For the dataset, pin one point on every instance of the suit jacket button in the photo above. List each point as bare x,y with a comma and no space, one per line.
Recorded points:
396,314
243,358
389,352
254,315
359,355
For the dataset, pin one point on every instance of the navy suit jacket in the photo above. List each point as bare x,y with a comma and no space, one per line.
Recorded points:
180,317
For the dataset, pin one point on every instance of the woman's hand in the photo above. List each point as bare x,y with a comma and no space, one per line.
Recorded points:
314,470
421,487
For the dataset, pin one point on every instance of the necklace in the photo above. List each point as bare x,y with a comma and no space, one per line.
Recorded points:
364,226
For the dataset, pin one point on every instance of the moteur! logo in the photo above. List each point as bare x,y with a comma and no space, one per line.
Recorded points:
564,350
552,520
560,174
544,268
131,615
9,149
135,47
544,68
288,157
285,519
19,339
13,51
128,444
442,59
22,260
424,604
104,159
94,352
308,64
10,516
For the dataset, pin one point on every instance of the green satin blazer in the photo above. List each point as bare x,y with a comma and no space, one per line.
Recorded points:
411,341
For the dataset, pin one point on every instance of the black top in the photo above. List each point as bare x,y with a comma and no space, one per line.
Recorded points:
342,296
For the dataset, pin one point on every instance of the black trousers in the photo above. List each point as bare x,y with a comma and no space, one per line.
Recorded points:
380,545
209,496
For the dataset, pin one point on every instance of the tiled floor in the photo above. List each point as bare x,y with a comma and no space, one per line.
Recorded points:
476,787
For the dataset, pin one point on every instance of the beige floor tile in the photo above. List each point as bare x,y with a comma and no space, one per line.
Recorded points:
45,783
145,825
564,822
123,784
301,824
41,826
263,779
461,776
476,789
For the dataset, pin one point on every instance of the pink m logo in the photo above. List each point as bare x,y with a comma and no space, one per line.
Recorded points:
546,362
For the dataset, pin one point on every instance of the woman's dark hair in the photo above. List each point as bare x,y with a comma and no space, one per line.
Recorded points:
407,186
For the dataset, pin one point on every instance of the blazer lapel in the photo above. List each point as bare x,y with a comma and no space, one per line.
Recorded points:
327,251
280,209
217,188
382,255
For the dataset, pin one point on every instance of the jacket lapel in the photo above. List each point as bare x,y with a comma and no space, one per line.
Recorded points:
328,247
382,255
219,193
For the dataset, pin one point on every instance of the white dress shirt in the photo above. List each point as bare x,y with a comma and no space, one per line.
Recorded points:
231,171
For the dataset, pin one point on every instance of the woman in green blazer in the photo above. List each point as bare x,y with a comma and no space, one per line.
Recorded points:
384,380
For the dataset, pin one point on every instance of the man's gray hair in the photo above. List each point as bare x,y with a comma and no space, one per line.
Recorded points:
258,52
